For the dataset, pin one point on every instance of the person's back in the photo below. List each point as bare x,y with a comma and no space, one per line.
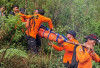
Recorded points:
36,23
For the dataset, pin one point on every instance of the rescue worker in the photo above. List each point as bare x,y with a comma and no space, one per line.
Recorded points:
15,10
22,19
69,48
32,26
85,57
38,39
2,9
20,12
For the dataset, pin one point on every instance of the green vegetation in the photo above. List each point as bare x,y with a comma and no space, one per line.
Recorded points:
83,16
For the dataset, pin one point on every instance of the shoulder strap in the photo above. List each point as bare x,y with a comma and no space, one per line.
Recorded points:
83,48
74,63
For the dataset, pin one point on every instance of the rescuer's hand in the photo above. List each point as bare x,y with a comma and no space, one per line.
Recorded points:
50,43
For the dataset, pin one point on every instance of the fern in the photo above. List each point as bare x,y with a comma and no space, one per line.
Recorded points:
14,52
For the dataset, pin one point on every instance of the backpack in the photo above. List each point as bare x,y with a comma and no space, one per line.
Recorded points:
74,63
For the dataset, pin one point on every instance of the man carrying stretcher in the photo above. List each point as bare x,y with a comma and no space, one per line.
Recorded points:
69,48
85,57
32,26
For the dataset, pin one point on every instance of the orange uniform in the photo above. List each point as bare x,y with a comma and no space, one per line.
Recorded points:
69,48
35,23
85,58
22,18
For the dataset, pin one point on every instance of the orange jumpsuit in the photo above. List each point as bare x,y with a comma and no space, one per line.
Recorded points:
35,23
85,58
69,48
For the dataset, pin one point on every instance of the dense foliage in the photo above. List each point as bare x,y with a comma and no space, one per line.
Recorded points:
83,16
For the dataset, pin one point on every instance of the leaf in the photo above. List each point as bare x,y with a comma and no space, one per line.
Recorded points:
14,52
